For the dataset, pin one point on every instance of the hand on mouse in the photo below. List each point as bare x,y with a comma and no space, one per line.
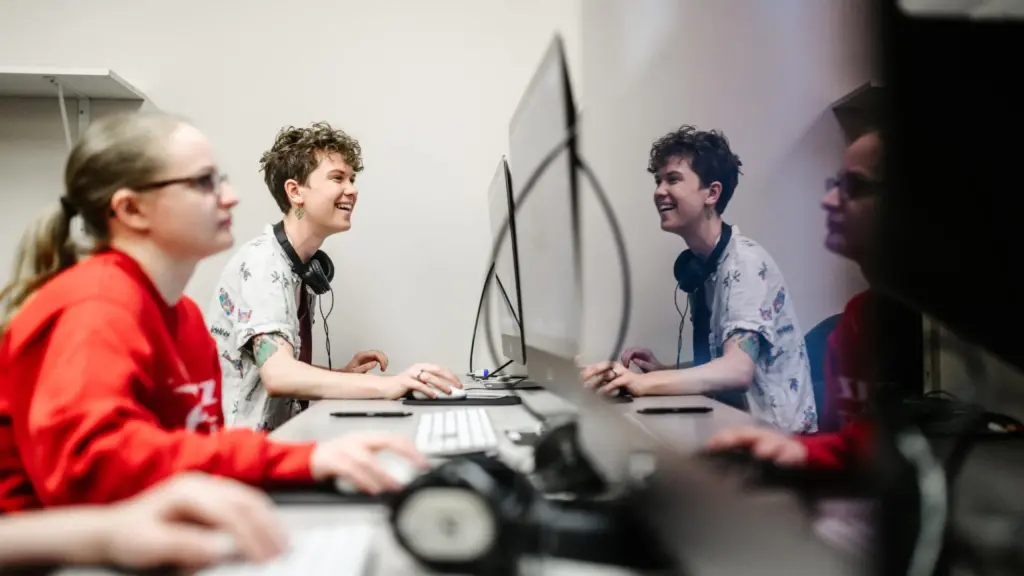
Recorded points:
763,444
366,360
190,520
643,359
353,458
426,378
608,377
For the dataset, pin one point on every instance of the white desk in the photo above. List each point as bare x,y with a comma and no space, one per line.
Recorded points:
682,433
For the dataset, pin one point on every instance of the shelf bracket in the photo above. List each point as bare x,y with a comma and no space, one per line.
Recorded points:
84,109
84,114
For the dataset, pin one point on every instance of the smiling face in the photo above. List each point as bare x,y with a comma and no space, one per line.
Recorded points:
311,174
328,197
680,197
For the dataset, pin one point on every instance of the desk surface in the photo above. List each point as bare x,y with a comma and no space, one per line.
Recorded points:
681,434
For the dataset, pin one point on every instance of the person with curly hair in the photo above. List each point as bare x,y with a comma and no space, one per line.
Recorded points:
748,347
109,379
260,312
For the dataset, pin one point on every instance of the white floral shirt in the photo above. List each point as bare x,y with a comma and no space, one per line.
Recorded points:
257,293
747,293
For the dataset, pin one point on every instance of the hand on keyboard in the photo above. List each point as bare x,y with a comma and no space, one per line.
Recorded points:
427,379
353,458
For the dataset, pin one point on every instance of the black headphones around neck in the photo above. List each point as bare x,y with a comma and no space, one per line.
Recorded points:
691,272
317,273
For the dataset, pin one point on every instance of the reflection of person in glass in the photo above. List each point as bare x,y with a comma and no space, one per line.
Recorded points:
747,341
851,205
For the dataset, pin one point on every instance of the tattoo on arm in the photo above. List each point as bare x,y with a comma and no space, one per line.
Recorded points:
750,343
265,345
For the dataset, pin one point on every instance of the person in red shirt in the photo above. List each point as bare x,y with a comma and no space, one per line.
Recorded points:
851,369
109,380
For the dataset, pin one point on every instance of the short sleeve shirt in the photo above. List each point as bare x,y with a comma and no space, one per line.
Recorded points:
257,293
748,293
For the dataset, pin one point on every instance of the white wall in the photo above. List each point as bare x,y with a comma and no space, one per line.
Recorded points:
427,87
765,73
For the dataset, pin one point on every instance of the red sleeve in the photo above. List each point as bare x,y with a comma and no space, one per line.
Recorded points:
834,450
88,439
840,450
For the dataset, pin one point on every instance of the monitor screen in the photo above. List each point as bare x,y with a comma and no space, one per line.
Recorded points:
951,203
546,222
548,241
506,266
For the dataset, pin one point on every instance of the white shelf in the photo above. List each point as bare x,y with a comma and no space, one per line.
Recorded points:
99,84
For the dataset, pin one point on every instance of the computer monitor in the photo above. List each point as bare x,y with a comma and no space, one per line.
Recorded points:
547,226
951,209
949,233
547,220
613,441
506,265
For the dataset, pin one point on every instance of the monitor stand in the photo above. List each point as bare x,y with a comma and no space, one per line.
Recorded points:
559,463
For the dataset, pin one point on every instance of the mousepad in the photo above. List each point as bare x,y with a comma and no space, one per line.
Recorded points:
509,385
507,400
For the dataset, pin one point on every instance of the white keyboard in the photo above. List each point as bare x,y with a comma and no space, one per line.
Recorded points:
326,551
454,432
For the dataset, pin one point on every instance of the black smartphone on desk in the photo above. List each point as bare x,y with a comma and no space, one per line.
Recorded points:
371,414
675,410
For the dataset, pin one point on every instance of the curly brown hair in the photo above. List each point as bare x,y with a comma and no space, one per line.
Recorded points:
297,152
709,156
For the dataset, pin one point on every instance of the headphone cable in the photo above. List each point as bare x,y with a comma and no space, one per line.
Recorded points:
327,334
682,323
476,322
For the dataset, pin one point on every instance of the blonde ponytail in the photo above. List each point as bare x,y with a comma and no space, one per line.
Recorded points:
44,251
117,151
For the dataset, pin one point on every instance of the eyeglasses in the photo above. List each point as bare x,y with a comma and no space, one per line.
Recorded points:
852,185
209,183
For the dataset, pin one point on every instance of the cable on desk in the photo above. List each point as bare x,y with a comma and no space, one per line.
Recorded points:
476,322
479,309
568,143
931,482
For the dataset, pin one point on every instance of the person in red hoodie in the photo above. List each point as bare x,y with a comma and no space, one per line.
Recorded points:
109,379
851,366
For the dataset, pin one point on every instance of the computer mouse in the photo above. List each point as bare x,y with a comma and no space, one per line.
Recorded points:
755,471
619,396
456,394
728,458
396,465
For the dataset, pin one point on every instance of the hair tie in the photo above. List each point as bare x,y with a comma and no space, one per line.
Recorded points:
68,207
